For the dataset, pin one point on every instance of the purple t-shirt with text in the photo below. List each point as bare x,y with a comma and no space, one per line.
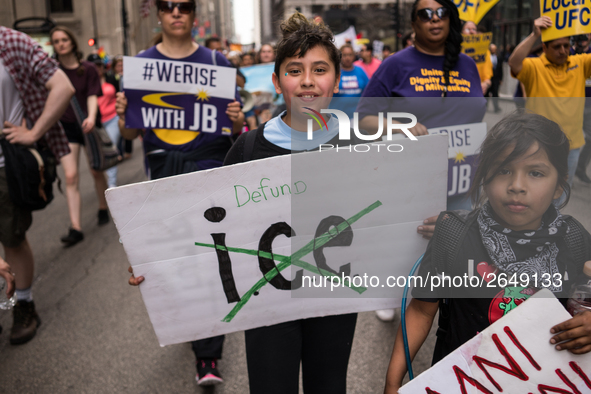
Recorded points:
410,73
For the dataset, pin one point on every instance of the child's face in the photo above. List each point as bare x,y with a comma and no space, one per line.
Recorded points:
522,191
308,78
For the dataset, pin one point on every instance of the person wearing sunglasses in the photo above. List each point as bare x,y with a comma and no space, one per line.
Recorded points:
172,152
368,62
434,67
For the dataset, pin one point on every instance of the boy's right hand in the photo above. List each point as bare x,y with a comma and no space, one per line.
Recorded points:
542,23
133,281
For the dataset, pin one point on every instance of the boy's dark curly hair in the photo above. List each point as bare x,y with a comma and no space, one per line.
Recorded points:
300,35
518,132
453,43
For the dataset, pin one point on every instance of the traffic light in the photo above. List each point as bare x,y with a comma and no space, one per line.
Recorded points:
91,42
395,16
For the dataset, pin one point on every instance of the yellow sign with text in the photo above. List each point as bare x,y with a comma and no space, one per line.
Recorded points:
474,10
569,18
476,46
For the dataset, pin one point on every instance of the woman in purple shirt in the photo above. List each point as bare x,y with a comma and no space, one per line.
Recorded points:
434,69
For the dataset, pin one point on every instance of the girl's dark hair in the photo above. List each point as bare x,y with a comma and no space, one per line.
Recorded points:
300,35
521,130
72,38
453,43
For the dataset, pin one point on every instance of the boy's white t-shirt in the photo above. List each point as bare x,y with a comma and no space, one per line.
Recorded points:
279,133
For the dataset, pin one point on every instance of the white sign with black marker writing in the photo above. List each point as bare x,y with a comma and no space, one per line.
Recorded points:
221,250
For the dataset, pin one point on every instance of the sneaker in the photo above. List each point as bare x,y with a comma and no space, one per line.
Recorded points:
73,237
386,315
25,323
207,372
103,217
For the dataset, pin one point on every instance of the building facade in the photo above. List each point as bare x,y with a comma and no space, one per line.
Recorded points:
103,21
373,19
509,20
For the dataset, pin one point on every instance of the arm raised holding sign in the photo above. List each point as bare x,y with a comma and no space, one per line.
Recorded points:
525,47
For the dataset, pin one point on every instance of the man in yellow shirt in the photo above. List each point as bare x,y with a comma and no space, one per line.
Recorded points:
555,85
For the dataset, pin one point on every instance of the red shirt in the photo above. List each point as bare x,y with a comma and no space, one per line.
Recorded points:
107,102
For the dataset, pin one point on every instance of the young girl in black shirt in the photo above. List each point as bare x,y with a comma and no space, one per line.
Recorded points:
517,232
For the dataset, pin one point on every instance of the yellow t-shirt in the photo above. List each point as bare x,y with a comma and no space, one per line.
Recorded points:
485,69
558,92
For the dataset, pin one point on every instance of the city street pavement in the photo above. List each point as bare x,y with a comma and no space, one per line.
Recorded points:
96,336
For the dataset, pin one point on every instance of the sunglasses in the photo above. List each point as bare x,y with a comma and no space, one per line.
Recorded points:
426,14
168,7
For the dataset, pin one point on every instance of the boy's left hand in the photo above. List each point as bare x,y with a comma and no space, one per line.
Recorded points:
576,332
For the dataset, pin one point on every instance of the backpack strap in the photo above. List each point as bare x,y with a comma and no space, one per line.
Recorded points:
249,142
452,228
213,59
575,241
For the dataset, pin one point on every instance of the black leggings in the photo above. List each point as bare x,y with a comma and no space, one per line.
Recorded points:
322,344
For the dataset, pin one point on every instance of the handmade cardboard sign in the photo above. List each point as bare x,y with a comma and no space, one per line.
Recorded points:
248,245
569,18
175,95
513,355
464,145
476,46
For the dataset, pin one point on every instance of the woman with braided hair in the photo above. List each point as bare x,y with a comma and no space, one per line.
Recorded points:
433,67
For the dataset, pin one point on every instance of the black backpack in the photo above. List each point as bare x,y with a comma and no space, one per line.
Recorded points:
30,173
